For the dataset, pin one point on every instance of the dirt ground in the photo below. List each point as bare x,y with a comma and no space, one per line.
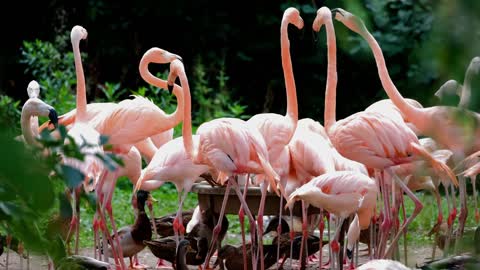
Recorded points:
416,256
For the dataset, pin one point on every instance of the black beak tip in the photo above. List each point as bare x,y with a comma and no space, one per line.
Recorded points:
170,88
349,254
180,58
53,116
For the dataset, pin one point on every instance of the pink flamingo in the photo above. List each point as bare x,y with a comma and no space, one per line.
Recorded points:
341,193
375,140
171,163
230,146
82,133
441,123
276,129
95,111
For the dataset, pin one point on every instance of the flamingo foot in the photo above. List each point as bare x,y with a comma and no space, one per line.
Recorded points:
161,264
451,217
335,246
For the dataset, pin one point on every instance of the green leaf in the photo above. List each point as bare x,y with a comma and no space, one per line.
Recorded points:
72,176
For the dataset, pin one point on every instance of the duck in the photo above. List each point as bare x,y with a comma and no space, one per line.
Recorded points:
203,222
164,224
467,260
313,246
132,237
232,256
191,250
78,262
463,261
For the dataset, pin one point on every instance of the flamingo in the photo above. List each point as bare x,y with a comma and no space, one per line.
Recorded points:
371,138
33,108
276,129
171,162
132,166
464,92
341,193
82,133
146,147
455,128
230,146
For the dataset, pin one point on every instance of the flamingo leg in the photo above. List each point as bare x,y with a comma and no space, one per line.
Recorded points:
335,244
292,235
450,220
418,208
463,212
250,217
304,234
178,227
77,227
152,216
261,209
73,222
404,233
321,227
241,218
477,214
387,225
279,227
218,227
109,209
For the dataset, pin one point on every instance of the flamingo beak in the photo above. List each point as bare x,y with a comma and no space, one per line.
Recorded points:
334,12
180,58
53,116
170,87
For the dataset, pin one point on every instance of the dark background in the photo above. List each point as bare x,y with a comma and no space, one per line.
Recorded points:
425,43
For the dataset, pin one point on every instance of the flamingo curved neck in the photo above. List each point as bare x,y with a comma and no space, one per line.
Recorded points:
408,110
81,91
28,134
174,118
187,118
291,91
466,89
331,85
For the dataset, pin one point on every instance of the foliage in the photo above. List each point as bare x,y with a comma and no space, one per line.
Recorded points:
10,114
213,102
52,65
33,181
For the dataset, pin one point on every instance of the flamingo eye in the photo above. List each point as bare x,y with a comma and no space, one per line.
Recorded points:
230,157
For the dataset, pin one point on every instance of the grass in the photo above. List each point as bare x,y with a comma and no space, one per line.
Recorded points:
168,203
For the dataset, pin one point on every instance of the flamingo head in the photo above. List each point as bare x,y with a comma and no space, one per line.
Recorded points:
449,88
475,65
323,15
176,68
349,20
35,106
33,89
292,15
78,33
160,56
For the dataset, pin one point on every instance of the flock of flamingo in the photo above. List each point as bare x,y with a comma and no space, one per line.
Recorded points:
354,170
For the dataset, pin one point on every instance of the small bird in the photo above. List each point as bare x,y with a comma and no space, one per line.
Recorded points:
164,224
132,237
233,256
77,262
464,261
190,250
